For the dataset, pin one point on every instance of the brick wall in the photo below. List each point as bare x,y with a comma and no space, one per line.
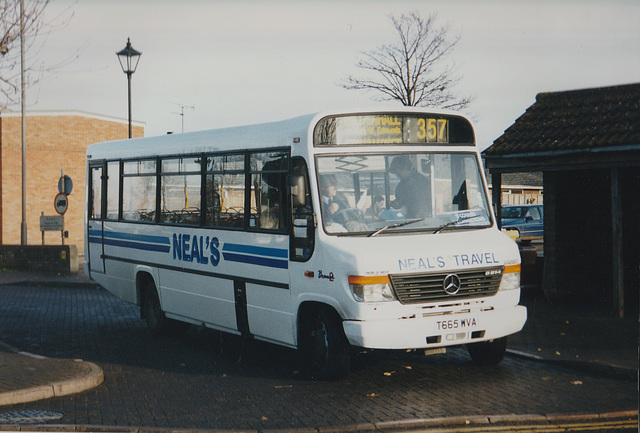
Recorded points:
54,142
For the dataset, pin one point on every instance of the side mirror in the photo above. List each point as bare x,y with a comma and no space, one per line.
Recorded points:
297,187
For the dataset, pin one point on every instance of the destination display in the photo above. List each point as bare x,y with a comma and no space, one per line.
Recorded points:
390,129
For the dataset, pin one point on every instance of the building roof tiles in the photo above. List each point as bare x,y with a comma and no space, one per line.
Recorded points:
575,120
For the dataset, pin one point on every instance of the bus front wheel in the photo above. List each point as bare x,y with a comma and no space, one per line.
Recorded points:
488,352
325,348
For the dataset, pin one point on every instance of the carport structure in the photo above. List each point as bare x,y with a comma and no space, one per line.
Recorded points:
587,144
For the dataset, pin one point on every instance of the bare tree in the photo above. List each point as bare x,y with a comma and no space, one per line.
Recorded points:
414,70
10,27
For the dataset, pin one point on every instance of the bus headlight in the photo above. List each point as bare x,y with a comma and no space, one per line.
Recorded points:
371,289
510,277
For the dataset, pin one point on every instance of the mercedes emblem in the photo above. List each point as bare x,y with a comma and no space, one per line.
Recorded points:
451,284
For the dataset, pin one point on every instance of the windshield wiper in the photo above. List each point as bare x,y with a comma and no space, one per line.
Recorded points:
453,223
391,226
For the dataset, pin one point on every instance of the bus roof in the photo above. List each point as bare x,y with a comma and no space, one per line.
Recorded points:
273,134
239,137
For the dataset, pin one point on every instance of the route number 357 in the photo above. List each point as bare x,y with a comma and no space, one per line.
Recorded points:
433,130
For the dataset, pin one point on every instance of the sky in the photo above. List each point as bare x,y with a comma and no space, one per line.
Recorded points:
235,62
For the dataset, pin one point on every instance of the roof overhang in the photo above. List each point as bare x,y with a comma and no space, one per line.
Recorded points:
577,159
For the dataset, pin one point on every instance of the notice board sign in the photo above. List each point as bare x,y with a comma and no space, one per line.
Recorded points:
51,223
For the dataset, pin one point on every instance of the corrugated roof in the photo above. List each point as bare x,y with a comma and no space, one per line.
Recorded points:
574,120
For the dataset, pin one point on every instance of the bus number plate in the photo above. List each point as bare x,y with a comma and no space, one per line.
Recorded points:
456,324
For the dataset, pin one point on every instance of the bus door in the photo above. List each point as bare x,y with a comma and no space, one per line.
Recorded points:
95,214
262,294
302,218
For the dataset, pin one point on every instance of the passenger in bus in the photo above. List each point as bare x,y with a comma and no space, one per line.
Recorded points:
376,207
413,193
332,201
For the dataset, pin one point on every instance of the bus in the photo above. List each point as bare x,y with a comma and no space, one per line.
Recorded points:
330,233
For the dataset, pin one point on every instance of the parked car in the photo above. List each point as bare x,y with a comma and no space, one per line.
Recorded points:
524,222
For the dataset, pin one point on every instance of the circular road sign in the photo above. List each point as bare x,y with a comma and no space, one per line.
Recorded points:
61,203
65,185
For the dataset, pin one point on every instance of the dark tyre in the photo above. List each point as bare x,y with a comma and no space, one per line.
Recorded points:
488,352
325,348
151,310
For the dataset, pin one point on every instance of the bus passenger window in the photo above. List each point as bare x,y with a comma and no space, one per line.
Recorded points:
224,191
139,190
113,189
95,196
268,187
180,191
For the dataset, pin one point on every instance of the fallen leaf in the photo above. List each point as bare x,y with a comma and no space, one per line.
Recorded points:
408,367
388,373
557,353
373,394
264,418
545,378
576,382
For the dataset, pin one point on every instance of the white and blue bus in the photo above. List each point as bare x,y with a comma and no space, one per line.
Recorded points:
326,233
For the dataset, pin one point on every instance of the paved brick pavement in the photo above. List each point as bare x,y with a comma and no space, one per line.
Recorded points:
205,380
583,336
27,377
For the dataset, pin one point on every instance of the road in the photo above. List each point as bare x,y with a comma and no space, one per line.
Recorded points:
202,379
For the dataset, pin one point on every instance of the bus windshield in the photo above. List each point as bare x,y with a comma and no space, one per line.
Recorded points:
371,194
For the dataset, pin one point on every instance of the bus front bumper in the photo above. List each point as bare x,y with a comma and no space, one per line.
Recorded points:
436,331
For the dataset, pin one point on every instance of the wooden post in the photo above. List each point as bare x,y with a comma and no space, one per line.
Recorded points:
496,196
550,285
616,235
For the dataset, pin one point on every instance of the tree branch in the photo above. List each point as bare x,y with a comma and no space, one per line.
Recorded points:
414,70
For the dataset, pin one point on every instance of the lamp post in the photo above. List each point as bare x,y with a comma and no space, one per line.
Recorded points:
129,58
23,224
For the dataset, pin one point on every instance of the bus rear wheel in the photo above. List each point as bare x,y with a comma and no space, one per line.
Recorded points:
151,310
488,352
325,348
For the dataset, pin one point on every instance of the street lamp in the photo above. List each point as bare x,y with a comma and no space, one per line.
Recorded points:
129,58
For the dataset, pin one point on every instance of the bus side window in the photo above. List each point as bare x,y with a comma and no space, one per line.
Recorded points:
180,185
303,220
139,190
95,195
113,190
268,188
224,191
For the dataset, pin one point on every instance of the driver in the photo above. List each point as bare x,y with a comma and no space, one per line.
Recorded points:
413,193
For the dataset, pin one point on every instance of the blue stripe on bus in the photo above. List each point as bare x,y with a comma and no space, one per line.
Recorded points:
254,255
255,260
250,254
254,250
129,240
137,245
140,238
131,236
